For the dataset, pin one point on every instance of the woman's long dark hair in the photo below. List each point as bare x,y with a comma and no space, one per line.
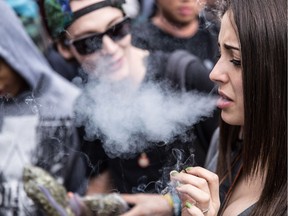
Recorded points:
262,32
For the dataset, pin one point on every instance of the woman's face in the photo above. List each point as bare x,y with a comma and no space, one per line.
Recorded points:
227,74
11,84
179,11
112,58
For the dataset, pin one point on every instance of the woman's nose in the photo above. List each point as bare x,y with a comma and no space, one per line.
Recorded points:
218,74
109,46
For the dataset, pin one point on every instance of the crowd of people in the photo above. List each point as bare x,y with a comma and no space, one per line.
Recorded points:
181,109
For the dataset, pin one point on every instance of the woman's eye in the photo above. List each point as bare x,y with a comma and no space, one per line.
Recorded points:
217,56
236,62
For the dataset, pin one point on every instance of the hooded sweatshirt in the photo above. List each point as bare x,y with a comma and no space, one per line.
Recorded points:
53,94
36,126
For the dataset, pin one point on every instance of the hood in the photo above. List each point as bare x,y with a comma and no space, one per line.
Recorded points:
54,95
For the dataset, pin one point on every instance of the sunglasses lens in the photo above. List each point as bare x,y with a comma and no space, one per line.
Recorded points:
120,30
93,43
88,45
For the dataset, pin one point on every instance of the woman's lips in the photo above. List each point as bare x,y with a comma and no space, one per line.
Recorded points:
117,64
185,11
224,101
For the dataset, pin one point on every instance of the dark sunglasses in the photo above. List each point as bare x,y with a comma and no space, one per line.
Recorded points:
93,43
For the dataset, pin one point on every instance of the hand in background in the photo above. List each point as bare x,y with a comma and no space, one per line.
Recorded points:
147,205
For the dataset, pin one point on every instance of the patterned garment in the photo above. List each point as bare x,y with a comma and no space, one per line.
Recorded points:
49,146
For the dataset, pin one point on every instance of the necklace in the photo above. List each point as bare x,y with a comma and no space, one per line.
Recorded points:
143,160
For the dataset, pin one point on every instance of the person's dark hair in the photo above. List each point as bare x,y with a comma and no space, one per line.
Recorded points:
262,33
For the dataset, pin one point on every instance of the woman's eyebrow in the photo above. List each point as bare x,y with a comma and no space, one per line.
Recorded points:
229,47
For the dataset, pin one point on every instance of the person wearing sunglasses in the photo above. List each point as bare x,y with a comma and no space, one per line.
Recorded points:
96,34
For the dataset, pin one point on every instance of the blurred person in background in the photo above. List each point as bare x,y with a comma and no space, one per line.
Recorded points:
179,24
36,111
69,68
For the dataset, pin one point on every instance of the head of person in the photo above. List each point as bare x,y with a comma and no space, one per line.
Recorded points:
94,32
180,12
251,75
11,83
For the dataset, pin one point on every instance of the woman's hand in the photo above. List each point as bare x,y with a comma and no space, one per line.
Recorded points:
199,191
147,205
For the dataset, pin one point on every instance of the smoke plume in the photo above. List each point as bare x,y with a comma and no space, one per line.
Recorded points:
130,120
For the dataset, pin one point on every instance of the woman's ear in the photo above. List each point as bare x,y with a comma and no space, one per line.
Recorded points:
64,51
